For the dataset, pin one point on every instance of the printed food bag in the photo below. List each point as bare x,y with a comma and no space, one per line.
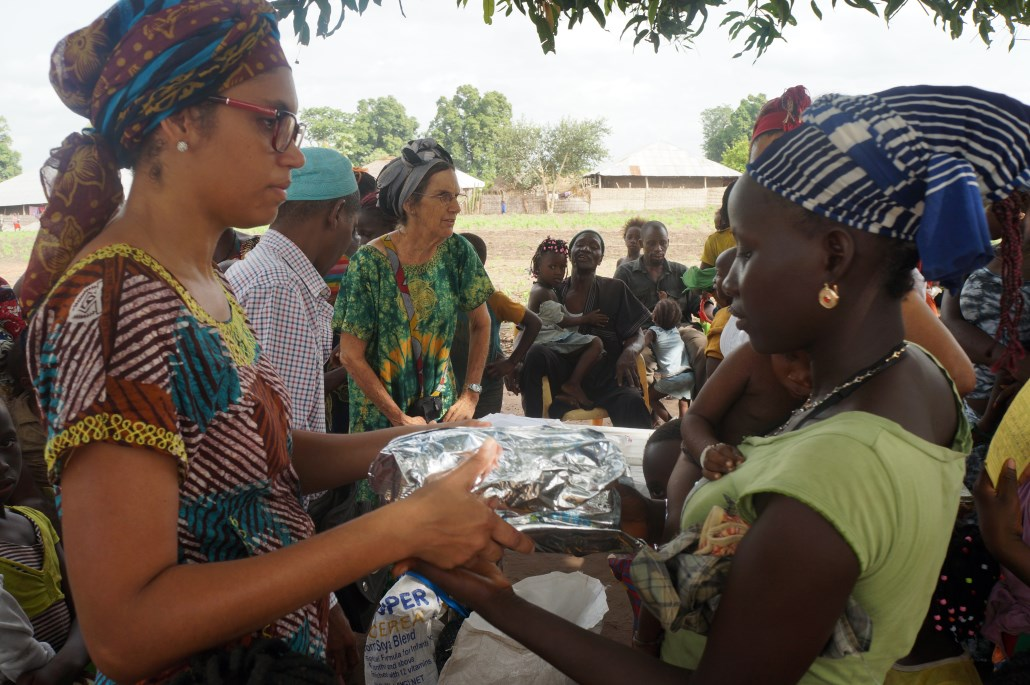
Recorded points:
485,656
401,640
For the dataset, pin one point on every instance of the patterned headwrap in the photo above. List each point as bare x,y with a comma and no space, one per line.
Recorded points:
399,179
140,62
913,163
782,113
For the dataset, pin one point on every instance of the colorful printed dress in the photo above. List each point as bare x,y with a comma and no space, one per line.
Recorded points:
371,309
120,352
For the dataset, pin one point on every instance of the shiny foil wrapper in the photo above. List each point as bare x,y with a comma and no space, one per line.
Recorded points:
552,481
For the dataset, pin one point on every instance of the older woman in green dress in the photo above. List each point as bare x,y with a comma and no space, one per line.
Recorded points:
397,308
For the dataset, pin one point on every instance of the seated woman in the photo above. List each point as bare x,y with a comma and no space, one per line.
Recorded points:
883,424
167,429
398,307
613,384
559,330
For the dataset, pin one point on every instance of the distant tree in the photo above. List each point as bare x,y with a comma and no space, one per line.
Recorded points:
381,128
471,126
736,155
715,128
721,126
539,156
329,127
759,23
10,159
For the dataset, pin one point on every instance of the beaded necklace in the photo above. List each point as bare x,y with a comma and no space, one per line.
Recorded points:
813,407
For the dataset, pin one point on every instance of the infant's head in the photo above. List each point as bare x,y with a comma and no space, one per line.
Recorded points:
667,313
722,267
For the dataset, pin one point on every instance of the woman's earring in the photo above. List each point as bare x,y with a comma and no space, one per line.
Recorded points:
182,146
828,296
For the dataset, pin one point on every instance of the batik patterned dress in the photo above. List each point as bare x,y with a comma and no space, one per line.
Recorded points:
370,308
121,353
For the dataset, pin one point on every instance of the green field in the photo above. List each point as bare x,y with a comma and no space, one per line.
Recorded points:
510,238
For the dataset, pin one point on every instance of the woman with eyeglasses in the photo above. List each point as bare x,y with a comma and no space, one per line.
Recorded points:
397,308
167,429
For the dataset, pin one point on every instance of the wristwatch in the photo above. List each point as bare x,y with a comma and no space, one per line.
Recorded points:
475,387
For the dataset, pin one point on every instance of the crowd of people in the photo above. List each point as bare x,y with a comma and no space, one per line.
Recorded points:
189,412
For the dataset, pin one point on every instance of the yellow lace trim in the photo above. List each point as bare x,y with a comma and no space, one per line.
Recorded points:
239,340
106,427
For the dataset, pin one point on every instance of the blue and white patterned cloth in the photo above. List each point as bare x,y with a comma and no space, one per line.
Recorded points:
914,163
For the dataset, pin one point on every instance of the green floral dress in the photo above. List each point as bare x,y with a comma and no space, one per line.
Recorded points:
370,308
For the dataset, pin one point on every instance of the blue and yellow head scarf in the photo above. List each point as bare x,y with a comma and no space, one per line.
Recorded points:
137,64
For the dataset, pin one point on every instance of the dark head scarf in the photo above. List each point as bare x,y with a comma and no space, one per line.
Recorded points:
399,179
140,62
585,232
915,163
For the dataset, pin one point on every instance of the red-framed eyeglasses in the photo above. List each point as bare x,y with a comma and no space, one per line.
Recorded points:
287,129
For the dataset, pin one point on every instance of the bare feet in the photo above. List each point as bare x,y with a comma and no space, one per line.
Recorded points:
575,391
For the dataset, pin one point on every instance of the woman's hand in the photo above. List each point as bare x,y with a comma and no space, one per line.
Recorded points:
341,645
454,525
1004,391
719,459
511,381
641,517
500,368
476,585
1001,515
626,369
406,420
463,409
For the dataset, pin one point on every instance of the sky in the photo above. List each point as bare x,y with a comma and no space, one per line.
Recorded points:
645,97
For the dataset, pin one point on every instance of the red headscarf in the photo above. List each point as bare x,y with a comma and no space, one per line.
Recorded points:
782,113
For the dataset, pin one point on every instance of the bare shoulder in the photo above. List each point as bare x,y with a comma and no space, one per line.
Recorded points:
916,394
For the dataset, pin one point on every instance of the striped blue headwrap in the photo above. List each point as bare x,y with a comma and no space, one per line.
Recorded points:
914,163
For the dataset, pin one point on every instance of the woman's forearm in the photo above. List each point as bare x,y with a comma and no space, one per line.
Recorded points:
479,343
324,460
978,345
583,656
924,328
530,329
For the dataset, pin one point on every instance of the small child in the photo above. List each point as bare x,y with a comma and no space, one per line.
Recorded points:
713,350
631,237
752,394
674,377
550,261
32,565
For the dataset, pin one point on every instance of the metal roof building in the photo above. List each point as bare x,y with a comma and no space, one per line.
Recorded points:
661,165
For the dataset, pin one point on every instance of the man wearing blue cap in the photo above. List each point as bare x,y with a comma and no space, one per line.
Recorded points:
280,282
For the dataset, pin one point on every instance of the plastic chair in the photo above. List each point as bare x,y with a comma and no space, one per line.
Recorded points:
597,415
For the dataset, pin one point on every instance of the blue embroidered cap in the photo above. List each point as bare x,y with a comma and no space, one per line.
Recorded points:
915,163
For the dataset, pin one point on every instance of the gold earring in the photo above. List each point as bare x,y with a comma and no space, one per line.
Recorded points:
828,296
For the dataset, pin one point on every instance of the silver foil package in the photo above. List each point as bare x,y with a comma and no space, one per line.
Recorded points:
552,481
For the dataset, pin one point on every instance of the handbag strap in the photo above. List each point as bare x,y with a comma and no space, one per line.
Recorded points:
409,307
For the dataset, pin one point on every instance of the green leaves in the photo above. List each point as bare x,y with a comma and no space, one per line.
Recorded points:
10,159
758,23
